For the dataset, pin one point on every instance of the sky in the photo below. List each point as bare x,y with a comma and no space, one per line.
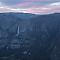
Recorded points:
30,6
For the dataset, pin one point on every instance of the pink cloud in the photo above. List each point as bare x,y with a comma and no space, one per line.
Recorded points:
31,8
36,0
39,8
22,4
34,9
57,11
27,4
35,12
39,11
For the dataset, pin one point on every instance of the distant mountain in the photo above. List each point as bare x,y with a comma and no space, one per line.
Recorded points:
22,15
25,15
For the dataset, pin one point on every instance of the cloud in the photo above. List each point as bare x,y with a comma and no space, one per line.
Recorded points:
30,7
55,4
22,4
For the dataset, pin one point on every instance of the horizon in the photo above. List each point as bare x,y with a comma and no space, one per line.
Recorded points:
28,13
30,6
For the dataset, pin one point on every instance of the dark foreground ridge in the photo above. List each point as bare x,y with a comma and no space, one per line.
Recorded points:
32,38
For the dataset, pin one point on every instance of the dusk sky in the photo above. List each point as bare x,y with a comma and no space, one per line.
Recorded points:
30,6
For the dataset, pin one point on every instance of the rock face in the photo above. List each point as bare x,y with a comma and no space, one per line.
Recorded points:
46,31
9,24
37,38
14,37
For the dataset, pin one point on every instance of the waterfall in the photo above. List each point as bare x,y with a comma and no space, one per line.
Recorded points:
18,30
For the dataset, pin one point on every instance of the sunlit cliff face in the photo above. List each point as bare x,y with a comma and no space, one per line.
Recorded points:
30,6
